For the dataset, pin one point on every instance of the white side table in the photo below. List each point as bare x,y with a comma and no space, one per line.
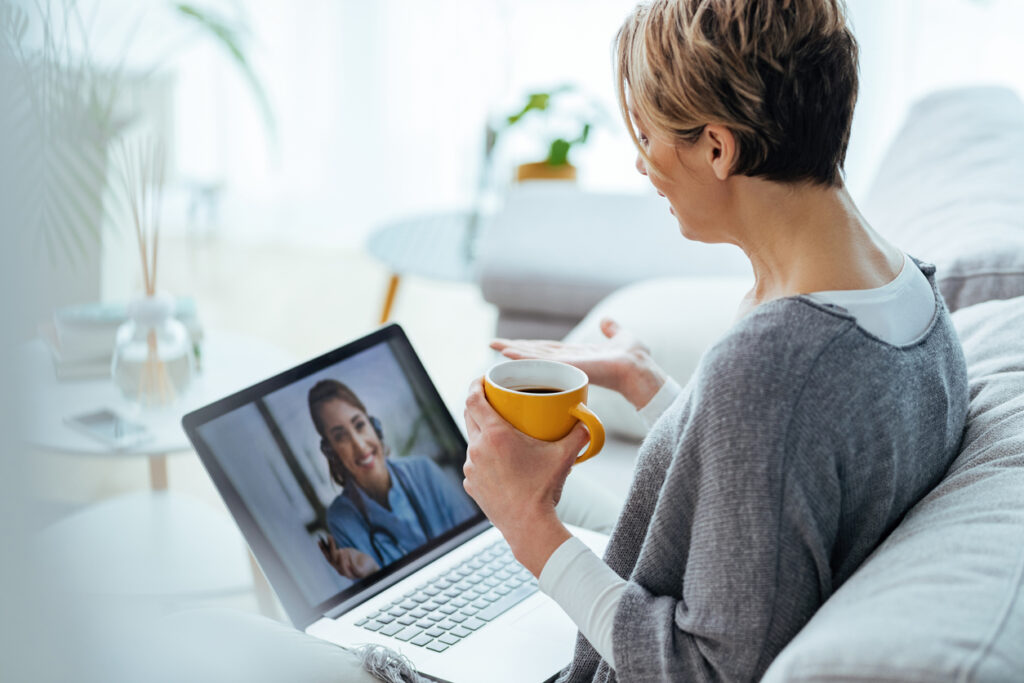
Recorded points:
158,542
230,362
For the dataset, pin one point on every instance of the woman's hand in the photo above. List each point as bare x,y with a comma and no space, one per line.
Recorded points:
349,562
622,364
517,480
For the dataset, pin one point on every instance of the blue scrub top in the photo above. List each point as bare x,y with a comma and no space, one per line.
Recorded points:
444,505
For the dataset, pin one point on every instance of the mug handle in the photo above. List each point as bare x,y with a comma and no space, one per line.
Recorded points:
593,424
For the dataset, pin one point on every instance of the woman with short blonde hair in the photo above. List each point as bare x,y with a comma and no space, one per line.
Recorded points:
836,400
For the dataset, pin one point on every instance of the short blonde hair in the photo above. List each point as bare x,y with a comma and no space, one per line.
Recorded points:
781,75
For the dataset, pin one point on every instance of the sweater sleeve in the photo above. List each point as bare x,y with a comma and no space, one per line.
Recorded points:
742,528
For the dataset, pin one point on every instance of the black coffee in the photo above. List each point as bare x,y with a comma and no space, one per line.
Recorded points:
537,390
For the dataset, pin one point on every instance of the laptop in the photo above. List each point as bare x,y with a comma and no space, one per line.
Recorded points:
344,475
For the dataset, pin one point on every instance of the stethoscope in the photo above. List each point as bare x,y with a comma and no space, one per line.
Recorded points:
376,529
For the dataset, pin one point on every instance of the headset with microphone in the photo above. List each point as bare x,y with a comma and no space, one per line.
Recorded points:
357,497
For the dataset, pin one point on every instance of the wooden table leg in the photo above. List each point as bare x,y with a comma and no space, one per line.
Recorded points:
158,472
389,298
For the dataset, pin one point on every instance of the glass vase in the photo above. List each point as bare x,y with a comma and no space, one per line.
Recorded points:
153,363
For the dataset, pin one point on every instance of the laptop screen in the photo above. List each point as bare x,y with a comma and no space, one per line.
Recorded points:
340,472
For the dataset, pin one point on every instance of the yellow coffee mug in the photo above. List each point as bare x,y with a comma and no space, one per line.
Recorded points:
544,399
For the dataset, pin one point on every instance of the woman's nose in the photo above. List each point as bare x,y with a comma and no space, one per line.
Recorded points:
640,167
361,443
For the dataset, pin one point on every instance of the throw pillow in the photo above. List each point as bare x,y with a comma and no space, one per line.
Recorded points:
949,192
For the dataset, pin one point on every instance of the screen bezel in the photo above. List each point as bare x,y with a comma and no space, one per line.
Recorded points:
300,611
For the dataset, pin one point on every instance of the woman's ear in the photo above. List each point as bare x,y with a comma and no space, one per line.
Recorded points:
721,149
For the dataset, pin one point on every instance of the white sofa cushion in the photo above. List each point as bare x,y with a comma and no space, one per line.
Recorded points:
943,597
949,192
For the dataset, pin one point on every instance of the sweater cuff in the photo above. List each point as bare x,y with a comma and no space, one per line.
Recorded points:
660,402
587,590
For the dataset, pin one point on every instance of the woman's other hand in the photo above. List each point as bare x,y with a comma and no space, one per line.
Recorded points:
517,480
622,364
348,562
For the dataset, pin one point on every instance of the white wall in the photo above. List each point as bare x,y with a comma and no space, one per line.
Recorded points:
380,105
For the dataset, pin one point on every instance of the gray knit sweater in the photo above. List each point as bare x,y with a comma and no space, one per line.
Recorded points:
797,446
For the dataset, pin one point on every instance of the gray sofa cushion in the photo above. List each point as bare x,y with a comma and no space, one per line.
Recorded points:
943,597
949,192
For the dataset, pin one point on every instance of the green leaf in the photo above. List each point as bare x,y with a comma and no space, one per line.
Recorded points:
539,101
559,154
229,40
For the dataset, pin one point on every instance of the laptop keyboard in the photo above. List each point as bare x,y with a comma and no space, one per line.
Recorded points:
439,613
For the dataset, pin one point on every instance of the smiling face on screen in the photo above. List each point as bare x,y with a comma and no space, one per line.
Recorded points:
350,434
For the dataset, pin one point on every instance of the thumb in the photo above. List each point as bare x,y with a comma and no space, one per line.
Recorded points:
578,437
609,327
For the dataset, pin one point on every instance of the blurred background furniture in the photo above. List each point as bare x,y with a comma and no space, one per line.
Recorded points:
157,542
553,252
437,246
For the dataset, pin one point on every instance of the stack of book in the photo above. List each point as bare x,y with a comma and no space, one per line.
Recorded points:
81,338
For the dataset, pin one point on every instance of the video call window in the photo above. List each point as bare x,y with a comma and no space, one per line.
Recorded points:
347,470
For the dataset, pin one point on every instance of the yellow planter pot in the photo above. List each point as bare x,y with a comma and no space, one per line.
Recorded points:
541,170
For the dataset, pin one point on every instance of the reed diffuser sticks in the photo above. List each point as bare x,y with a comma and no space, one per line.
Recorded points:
143,168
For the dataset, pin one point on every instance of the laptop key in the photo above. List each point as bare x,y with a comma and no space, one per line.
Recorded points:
419,613
458,618
437,646
385,618
425,623
460,632
373,626
459,602
421,640
408,633
435,632
391,629
447,624
473,623
449,639
363,622
406,620
446,609
507,602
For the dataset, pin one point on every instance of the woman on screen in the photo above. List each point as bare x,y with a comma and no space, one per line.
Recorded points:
387,507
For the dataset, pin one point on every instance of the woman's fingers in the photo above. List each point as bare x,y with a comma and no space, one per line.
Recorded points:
609,327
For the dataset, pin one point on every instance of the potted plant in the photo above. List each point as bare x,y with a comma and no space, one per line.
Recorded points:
566,118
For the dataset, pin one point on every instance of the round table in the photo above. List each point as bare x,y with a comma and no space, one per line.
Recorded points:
438,246
156,542
230,362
